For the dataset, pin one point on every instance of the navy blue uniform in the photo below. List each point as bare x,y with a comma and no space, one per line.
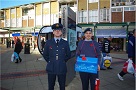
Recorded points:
89,49
131,48
56,57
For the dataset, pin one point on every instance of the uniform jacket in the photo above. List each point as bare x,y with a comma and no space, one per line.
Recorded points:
89,49
56,56
106,46
131,47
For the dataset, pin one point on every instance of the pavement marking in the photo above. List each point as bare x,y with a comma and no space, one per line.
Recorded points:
22,74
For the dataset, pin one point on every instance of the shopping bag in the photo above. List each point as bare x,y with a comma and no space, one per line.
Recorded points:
14,57
97,84
107,61
129,67
86,64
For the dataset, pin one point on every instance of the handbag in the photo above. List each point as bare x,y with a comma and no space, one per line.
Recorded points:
129,67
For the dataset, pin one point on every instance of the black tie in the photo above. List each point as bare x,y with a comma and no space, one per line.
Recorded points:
57,41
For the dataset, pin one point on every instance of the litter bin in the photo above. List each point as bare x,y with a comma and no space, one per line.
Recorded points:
27,48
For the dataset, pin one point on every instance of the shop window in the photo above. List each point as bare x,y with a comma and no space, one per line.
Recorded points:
93,16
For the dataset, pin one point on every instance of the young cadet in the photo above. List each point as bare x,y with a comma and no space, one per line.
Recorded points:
88,48
56,53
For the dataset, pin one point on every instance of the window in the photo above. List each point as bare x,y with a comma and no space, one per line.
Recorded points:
104,15
25,12
129,9
82,16
7,23
92,1
39,20
12,10
46,19
46,5
19,22
116,9
13,24
54,18
93,16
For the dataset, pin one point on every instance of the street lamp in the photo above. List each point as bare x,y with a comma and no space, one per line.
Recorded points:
127,36
127,29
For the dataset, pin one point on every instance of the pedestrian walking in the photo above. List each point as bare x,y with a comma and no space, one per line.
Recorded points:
106,52
42,44
131,53
13,43
18,49
56,53
88,48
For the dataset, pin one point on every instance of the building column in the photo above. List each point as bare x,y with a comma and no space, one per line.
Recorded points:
110,12
87,12
42,13
98,11
77,13
15,17
21,18
34,15
124,44
50,12
4,18
122,14
9,22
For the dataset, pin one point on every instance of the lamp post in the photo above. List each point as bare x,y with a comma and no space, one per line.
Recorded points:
127,29
127,36
94,30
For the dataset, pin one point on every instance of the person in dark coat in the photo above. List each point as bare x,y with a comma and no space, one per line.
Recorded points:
13,43
88,48
131,53
42,44
18,49
106,51
56,53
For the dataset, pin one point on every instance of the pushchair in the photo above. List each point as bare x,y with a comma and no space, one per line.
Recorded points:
14,57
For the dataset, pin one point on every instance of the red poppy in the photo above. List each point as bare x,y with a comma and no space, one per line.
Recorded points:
91,45
83,58
50,47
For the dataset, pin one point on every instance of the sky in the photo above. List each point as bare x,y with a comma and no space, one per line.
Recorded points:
11,3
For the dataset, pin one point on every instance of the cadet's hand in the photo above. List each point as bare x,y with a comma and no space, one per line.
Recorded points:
98,68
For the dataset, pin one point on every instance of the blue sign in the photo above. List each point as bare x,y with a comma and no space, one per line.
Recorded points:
16,34
89,65
35,34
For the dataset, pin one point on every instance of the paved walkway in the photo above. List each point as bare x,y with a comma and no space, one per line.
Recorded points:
30,73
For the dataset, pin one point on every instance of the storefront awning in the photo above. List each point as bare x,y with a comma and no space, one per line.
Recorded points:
115,33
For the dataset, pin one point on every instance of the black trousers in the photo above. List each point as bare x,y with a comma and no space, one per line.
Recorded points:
52,79
123,73
86,78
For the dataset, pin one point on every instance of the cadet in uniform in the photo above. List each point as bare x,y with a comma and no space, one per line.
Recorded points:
56,53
